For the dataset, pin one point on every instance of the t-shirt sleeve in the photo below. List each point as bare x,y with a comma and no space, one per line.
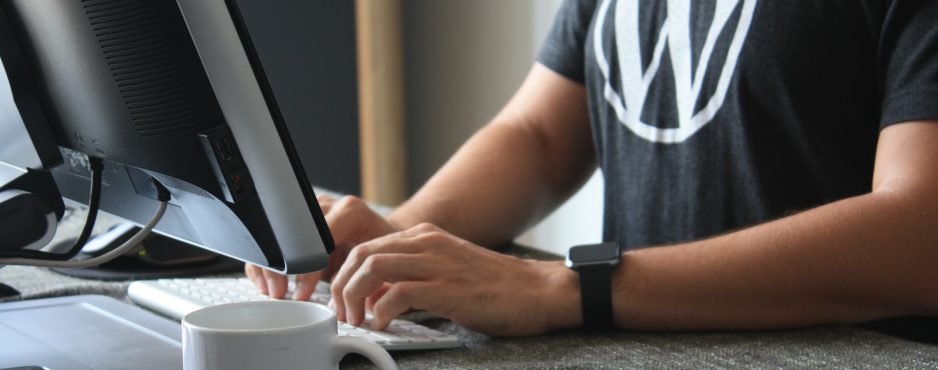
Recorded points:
563,50
908,62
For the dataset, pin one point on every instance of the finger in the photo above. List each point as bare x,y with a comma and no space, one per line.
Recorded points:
407,242
340,278
276,284
325,203
322,198
305,286
375,272
402,297
254,273
392,243
370,301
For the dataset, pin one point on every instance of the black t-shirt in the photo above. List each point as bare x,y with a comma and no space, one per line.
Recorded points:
709,116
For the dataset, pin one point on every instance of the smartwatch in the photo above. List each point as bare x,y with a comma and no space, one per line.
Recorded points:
594,264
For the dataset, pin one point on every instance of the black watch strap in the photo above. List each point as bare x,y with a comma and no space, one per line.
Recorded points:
596,295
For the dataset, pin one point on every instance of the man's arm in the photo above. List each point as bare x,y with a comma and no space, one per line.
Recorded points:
861,258
535,153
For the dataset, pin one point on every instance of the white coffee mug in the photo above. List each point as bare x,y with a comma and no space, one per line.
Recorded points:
284,335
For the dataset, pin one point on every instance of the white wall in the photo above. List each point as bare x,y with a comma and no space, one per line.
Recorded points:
464,60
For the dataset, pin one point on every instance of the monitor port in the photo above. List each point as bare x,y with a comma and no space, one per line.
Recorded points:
226,148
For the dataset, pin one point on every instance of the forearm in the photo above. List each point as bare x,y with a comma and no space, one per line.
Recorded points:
861,258
496,185
534,154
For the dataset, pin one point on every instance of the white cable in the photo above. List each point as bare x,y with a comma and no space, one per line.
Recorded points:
112,254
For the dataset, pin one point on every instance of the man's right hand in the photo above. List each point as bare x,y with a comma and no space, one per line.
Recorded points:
351,222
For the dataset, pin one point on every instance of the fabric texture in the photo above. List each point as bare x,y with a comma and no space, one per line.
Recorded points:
710,116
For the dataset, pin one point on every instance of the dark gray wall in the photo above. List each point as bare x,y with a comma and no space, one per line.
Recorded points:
314,77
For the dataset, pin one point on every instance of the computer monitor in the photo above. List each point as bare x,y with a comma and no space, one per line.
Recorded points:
192,93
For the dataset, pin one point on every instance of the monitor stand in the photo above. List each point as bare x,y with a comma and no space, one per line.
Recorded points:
156,257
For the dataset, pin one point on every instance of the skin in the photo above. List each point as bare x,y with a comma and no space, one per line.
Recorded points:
861,258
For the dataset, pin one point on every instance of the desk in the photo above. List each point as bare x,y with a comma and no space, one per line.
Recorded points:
838,346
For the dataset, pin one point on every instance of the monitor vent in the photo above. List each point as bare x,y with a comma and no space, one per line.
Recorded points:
143,65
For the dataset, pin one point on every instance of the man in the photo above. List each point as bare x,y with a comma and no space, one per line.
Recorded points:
767,164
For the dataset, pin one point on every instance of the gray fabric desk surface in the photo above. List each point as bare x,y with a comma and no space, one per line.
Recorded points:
826,347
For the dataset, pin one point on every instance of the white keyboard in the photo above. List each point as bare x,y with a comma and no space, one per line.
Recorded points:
177,297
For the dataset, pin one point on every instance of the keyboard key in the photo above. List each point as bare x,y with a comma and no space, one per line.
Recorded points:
399,322
371,337
387,337
409,335
320,300
445,338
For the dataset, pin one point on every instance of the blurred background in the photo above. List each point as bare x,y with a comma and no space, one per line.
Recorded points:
462,61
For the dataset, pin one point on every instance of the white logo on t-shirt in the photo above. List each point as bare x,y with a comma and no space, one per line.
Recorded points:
676,34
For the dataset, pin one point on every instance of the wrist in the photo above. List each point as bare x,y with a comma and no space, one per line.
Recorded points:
621,305
562,297
594,265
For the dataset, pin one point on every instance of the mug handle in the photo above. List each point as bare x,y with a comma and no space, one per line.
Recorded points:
342,346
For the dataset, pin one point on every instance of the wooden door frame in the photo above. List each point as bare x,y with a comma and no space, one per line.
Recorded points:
381,101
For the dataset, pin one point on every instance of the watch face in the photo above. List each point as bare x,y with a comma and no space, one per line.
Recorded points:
594,253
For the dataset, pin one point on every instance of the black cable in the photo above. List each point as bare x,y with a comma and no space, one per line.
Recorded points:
94,201
128,245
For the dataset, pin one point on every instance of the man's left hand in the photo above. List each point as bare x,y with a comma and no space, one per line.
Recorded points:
426,268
